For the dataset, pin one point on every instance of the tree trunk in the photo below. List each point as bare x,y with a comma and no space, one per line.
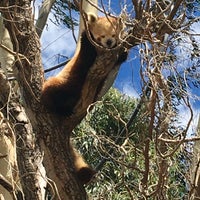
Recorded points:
195,167
35,126
43,139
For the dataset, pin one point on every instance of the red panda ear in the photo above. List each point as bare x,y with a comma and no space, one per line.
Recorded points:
91,18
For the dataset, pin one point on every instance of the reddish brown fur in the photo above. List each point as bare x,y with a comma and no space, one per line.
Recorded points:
83,171
108,36
61,93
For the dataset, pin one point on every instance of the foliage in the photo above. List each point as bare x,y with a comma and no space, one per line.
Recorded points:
155,158
124,170
64,12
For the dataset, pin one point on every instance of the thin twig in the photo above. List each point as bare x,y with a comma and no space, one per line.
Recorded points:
125,128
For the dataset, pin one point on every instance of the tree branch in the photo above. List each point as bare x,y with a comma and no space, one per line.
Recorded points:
6,184
43,15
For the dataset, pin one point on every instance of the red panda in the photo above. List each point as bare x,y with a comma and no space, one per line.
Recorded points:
83,171
61,93
104,30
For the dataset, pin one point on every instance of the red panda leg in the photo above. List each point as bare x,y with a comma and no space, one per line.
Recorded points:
59,97
83,171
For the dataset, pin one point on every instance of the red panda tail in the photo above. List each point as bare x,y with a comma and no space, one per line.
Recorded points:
83,171
85,174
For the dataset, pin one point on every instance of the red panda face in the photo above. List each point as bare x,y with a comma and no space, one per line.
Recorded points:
105,30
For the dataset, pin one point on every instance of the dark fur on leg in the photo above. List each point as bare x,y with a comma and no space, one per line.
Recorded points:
85,174
61,93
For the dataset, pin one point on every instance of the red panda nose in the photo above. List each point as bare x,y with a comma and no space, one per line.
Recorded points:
109,42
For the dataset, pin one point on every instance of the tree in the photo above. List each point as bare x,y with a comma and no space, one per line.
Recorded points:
120,155
195,176
40,140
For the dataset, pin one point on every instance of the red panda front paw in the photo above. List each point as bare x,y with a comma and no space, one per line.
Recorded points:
122,57
85,174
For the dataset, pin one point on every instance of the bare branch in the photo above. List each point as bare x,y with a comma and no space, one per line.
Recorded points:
43,15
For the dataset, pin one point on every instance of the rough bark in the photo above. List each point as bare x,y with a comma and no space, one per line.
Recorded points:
29,76
41,133
195,167
44,138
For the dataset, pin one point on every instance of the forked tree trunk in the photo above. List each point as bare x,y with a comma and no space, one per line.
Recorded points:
32,132
43,139
195,167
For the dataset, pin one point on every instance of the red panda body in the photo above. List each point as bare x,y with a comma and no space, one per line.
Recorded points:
83,171
61,93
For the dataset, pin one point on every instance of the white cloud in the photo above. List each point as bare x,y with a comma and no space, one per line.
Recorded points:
195,29
56,41
129,90
184,117
185,47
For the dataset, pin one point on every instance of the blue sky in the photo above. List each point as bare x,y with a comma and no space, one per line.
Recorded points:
58,44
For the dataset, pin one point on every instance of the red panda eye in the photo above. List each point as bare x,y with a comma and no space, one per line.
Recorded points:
113,35
103,36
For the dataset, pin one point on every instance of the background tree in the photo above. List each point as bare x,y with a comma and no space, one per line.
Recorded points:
124,168
40,141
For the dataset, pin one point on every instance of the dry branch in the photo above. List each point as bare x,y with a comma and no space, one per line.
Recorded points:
39,131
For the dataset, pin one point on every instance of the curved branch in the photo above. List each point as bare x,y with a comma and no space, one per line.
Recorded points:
43,15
